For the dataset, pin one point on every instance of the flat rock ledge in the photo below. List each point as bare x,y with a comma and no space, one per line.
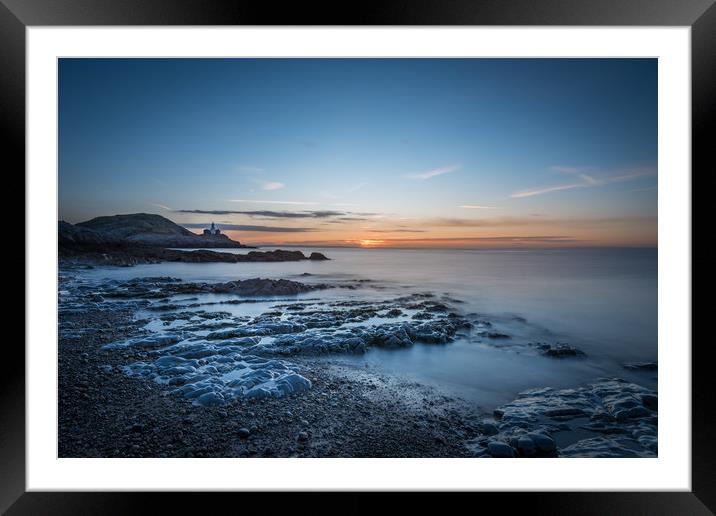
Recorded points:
163,287
611,418
212,357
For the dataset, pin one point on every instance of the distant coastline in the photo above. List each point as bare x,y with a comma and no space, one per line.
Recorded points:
127,240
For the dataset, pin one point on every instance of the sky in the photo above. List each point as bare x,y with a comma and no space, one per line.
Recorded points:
464,153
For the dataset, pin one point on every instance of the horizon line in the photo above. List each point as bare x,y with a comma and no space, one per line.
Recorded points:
526,248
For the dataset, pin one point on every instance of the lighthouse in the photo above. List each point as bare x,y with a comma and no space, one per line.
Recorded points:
213,230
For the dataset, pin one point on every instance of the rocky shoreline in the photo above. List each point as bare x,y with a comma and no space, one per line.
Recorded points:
139,238
128,255
148,367
105,413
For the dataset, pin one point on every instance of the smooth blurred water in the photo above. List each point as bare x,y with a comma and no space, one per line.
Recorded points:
603,301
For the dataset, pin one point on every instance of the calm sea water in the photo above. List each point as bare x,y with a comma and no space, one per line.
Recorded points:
603,301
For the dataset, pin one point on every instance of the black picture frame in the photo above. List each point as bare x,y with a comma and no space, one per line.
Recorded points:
16,15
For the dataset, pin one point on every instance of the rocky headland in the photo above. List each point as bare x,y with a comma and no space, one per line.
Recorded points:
151,230
127,240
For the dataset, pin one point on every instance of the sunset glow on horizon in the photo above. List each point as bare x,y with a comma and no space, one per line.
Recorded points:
371,153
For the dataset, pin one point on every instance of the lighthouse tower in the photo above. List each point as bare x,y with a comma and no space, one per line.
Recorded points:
212,231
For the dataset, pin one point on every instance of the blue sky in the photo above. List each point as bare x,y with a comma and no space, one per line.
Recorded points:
390,152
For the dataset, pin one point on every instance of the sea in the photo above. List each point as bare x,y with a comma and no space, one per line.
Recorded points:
601,301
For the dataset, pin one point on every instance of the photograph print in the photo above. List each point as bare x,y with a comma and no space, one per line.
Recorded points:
389,257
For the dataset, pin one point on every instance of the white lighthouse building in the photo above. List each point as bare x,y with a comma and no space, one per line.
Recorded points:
212,231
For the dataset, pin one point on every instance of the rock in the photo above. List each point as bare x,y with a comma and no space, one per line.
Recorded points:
604,429
150,229
302,436
650,401
616,409
543,442
526,446
563,411
489,429
494,335
317,256
641,366
597,447
128,240
209,399
559,350
500,449
262,287
637,412
243,432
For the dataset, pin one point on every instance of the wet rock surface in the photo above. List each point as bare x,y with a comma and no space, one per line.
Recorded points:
559,350
611,418
641,366
212,359
153,367
103,412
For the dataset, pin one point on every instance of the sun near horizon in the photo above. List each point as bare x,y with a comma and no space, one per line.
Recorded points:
370,153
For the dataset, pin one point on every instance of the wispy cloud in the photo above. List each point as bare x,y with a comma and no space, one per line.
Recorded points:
256,201
318,214
396,230
160,206
631,176
477,207
491,241
584,173
498,242
587,180
548,189
250,169
357,187
329,194
569,169
270,214
241,227
210,212
423,176
272,185
551,238
647,189
497,222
